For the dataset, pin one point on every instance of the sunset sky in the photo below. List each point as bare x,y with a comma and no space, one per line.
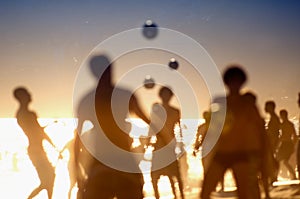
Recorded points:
43,44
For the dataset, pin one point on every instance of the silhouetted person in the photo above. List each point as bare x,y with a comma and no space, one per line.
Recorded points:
272,129
298,147
27,120
165,141
113,105
273,125
269,166
240,144
200,136
201,131
287,141
84,160
70,146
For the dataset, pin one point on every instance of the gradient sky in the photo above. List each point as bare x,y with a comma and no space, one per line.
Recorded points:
44,42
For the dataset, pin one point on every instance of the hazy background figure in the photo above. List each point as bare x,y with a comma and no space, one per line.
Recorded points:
70,146
240,144
298,147
27,120
201,132
287,141
273,126
165,140
200,136
104,181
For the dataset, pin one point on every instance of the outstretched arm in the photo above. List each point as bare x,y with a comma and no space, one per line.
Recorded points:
46,137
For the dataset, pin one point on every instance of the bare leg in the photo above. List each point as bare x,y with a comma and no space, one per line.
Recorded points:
180,185
290,169
213,175
222,184
265,182
70,190
49,192
245,175
155,186
48,184
72,184
173,186
36,191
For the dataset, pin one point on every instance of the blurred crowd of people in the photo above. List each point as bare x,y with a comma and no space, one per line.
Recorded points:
252,149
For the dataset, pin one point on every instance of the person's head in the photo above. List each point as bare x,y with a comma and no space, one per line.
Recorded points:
100,66
165,93
234,77
283,114
250,97
270,106
22,95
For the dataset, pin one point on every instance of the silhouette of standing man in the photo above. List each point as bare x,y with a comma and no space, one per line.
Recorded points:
240,144
287,142
165,139
273,126
104,181
85,112
200,136
70,146
272,129
27,120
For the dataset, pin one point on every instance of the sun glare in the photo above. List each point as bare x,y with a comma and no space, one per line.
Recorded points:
17,171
